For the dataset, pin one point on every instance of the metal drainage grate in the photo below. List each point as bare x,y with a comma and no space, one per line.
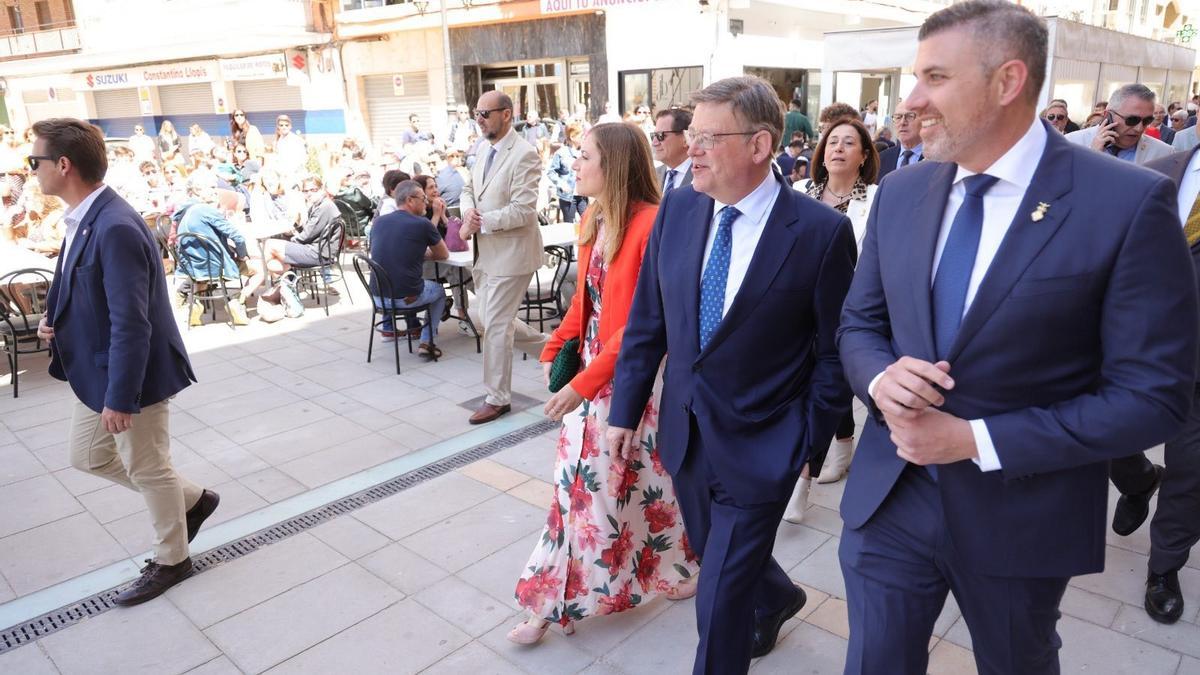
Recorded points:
99,603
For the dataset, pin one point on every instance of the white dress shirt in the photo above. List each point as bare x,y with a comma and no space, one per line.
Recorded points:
1189,188
1015,171
75,216
746,230
683,168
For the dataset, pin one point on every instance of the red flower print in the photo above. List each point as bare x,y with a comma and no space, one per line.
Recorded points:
688,554
533,591
656,462
564,444
581,499
619,602
587,534
650,417
615,556
554,524
647,569
591,440
660,515
576,581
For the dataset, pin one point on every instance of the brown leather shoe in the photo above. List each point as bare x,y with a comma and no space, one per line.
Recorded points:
155,580
488,412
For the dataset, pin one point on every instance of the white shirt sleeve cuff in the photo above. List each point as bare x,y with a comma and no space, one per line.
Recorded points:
988,459
871,386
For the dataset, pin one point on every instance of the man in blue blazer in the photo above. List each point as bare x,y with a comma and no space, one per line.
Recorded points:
908,149
113,339
1024,312
741,286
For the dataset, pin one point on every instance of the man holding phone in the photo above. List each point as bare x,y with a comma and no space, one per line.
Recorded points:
1122,131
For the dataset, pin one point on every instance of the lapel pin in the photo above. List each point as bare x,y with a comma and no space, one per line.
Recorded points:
1039,212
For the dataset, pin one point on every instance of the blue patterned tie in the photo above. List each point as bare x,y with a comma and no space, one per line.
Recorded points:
958,262
487,167
669,182
716,274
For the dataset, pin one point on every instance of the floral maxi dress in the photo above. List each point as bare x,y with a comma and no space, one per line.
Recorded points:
614,536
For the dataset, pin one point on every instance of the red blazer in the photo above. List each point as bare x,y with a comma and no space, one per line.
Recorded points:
620,281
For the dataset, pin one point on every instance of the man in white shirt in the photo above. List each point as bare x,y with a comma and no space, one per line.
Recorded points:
742,283
670,148
141,144
988,330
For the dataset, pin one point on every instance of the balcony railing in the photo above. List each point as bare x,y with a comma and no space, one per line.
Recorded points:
63,37
348,5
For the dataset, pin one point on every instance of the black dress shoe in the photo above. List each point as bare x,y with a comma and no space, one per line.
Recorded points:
155,580
1132,509
203,508
766,628
1164,600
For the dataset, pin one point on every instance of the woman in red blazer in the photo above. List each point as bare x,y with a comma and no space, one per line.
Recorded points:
614,536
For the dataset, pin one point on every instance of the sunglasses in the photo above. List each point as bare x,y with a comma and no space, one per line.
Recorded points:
484,114
33,161
660,136
238,114
1134,120
1056,118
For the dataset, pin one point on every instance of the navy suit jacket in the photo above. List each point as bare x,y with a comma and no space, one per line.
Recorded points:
1079,347
888,159
115,339
767,391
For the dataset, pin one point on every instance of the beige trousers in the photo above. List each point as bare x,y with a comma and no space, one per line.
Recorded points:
139,459
495,313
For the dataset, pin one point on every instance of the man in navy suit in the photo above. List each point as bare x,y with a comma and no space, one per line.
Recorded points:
113,339
1176,525
1023,313
741,285
908,150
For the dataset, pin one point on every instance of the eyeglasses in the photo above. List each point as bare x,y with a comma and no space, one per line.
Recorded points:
660,136
283,124
906,117
707,141
33,161
238,114
1134,120
1055,118
485,114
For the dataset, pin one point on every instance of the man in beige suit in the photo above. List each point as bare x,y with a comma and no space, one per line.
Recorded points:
499,206
1122,133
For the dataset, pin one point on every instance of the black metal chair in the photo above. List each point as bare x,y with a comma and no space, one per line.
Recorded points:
22,305
355,229
162,234
205,272
544,295
388,314
318,278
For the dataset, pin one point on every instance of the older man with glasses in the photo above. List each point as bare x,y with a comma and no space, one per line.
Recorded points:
909,150
1122,131
742,283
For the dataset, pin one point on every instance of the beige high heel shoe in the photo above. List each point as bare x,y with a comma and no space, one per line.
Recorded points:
798,504
684,589
837,463
531,630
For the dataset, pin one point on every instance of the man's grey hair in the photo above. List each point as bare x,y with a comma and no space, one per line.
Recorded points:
754,102
1134,90
407,188
1179,115
199,182
1004,31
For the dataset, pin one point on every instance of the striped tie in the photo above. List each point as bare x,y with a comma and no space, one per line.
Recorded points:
1191,228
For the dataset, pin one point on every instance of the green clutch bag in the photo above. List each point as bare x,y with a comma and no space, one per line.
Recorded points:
565,365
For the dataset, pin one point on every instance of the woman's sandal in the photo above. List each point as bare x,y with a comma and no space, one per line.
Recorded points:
429,351
685,589
531,630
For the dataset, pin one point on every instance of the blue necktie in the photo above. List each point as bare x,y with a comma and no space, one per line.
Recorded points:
716,274
907,157
957,263
669,182
487,167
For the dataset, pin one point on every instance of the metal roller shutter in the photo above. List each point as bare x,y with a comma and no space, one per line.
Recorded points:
267,96
388,113
185,99
117,103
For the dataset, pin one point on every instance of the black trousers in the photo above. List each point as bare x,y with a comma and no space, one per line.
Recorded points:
1175,528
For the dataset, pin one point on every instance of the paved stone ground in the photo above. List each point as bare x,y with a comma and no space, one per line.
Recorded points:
421,581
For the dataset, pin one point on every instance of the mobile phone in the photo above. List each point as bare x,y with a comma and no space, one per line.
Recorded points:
1108,119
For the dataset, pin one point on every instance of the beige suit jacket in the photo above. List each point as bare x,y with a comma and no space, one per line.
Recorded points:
509,243
1149,148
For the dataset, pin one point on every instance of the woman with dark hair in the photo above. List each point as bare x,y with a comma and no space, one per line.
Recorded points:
614,537
844,166
242,132
435,209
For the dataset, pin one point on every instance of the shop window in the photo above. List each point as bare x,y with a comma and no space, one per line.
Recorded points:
658,88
